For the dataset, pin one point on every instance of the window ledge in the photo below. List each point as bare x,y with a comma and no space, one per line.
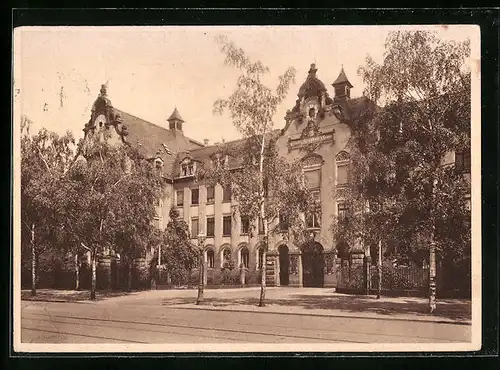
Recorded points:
243,234
226,235
210,201
195,205
316,228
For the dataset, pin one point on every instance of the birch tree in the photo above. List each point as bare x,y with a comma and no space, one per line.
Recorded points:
108,202
45,158
264,184
424,84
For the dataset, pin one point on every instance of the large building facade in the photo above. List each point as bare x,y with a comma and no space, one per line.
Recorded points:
316,131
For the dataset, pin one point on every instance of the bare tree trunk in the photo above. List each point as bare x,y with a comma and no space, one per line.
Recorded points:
77,273
129,283
379,268
432,253
33,261
201,268
94,277
432,275
264,223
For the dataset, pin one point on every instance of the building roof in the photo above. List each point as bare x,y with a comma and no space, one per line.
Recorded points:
312,86
342,79
175,116
205,154
156,141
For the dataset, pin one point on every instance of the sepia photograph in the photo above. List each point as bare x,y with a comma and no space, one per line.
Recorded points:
246,188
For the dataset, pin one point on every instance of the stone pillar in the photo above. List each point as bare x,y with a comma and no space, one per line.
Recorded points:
104,265
301,273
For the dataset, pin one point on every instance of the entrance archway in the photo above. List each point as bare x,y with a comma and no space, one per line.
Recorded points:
284,261
313,265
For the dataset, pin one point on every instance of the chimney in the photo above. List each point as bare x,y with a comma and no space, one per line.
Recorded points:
205,141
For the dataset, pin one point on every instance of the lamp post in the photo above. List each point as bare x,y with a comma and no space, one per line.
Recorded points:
201,267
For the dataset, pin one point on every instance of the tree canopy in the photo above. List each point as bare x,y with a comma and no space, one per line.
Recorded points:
403,185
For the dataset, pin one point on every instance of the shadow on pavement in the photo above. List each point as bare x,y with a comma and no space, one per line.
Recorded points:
70,295
451,309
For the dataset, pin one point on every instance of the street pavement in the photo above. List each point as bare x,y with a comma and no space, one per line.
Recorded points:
231,316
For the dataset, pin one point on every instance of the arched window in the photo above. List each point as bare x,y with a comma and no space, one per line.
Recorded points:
210,258
244,257
260,254
225,255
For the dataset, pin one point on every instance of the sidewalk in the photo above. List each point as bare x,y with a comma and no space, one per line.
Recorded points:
294,301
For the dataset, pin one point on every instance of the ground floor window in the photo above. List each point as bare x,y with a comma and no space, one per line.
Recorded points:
210,258
225,257
260,254
244,256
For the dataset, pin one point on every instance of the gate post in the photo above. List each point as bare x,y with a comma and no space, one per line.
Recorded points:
301,273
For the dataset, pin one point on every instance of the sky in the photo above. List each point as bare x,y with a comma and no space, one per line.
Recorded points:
151,70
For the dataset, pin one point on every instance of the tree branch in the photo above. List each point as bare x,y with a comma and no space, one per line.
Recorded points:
43,159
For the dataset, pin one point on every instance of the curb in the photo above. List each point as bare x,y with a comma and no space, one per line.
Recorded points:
324,315
55,300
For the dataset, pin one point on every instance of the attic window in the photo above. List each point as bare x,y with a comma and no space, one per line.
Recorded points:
187,169
221,160
158,163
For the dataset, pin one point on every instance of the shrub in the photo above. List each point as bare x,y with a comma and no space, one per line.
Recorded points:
213,277
230,277
179,276
253,277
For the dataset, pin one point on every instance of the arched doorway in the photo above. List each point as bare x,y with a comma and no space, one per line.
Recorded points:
284,260
313,262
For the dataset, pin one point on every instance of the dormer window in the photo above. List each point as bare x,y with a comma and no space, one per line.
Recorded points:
158,163
188,168
220,160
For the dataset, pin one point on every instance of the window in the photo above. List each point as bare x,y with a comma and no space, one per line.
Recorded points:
226,225
462,161
210,194
210,258
210,226
187,169
226,257
342,174
283,223
468,204
313,179
180,197
220,160
156,222
226,194
261,226
313,221
244,257
158,164
195,196
260,254
194,227
245,224
342,210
